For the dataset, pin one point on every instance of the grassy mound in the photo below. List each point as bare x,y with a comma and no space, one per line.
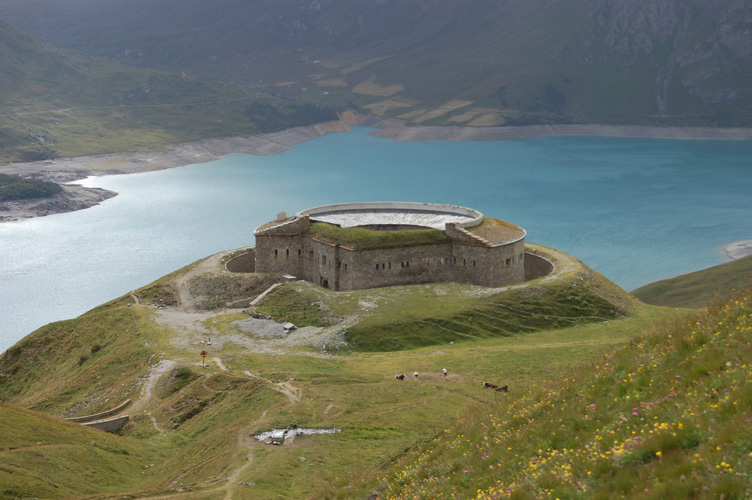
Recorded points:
701,288
364,239
421,321
45,457
668,416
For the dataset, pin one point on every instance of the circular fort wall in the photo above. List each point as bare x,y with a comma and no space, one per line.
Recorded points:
344,213
243,263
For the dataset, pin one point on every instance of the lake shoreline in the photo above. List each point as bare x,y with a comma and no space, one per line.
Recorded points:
67,170
736,250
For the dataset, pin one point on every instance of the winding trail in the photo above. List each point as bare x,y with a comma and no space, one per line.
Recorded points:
220,364
147,391
292,392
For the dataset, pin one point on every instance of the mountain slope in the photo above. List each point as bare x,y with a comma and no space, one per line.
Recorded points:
664,417
701,288
59,102
438,61
46,457
204,379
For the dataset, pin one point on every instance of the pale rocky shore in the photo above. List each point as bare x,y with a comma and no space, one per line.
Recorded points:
737,249
76,197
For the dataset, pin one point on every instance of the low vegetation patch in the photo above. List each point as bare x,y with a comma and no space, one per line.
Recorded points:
302,308
587,298
13,187
364,239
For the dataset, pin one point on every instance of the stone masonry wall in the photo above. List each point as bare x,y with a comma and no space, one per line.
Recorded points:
465,259
536,266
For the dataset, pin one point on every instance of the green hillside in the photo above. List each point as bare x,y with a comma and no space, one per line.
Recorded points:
666,416
195,424
701,288
438,62
45,457
606,396
55,102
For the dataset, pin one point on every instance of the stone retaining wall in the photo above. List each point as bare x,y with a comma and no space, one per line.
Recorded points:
112,425
95,416
243,263
536,266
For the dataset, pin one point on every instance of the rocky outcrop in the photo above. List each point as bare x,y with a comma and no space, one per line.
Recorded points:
701,46
70,199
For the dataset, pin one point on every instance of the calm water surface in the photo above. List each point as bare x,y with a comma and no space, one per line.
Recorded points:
636,210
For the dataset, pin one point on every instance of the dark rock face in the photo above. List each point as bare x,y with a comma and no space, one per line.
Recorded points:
703,46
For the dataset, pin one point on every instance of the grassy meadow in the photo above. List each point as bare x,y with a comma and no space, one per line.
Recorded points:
665,416
591,356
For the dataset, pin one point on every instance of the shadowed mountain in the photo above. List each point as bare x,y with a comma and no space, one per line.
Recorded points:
61,102
438,61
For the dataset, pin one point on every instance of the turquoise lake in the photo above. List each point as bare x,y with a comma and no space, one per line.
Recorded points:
636,210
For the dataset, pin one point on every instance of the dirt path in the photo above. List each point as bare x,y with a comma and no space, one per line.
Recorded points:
220,364
147,391
289,390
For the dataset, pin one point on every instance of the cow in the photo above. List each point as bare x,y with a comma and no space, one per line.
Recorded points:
502,389
415,375
489,385
401,376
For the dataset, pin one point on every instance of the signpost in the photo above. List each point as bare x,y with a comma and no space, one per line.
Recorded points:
203,358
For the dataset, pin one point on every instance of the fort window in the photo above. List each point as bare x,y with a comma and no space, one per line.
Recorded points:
287,252
509,261
323,259
455,260
473,263
407,264
383,265
390,265
464,262
377,267
275,252
299,252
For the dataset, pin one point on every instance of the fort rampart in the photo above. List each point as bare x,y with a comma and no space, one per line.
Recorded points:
474,249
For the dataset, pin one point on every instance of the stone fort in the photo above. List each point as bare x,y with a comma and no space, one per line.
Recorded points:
353,246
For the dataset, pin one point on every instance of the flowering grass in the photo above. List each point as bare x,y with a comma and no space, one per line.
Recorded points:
667,416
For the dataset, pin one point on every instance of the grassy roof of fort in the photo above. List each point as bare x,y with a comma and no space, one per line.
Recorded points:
364,239
497,230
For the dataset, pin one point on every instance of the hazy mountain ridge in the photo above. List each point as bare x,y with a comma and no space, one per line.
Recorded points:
513,61
61,102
